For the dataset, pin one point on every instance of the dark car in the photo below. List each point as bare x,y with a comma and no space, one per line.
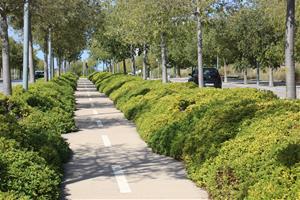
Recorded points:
211,77
39,74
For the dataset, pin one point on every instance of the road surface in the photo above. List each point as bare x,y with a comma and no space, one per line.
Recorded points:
110,160
279,89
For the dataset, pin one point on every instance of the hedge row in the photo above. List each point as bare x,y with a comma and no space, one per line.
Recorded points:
236,143
32,150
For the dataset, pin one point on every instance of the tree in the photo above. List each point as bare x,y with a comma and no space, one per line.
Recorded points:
68,22
149,24
201,8
273,55
255,40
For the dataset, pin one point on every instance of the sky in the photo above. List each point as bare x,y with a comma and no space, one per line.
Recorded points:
17,36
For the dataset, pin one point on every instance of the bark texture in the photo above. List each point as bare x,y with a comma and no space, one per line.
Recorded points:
31,64
46,75
200,49
271,77
145,62
245,77
5,55
164,58
124,67
225,72
289,50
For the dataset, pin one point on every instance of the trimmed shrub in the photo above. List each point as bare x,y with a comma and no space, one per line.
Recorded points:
236,143
32,150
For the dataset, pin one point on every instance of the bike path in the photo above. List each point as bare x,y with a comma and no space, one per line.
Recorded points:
111,161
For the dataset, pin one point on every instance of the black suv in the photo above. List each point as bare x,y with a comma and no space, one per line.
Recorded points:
39,74
211,77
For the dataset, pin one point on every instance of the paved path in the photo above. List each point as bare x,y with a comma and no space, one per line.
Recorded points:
110,160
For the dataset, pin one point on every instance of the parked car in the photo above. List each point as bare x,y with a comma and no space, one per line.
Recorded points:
39,74
211,77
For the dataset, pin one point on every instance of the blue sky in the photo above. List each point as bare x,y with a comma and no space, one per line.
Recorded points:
18,37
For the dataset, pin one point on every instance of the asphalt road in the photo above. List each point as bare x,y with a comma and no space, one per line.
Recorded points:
279,89
111,161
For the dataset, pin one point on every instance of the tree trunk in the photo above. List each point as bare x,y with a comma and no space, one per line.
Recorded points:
225,72
200,50
175,71
271,78
245,77
50,56
46,75
113,67
289,50
178,71
257,75
110,67
68,66
133,64
5,55
20,74
25,45
31,64
59,65
62,66
145,62
164,58
118,67
124,67
52,65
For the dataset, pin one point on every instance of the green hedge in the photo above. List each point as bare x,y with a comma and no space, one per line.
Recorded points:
32,150
236,143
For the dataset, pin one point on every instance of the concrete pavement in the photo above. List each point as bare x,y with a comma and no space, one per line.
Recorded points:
110,160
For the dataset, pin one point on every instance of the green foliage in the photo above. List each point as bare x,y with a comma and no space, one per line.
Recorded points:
32,150
236,143
28,174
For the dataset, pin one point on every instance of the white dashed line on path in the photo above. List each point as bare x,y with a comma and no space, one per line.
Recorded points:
95,112
121,179
106,141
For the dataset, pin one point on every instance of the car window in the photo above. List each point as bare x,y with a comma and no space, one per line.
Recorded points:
207,72
210,72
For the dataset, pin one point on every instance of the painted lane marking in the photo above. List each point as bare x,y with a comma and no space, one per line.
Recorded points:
99,123
121,179
106,141
95,112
